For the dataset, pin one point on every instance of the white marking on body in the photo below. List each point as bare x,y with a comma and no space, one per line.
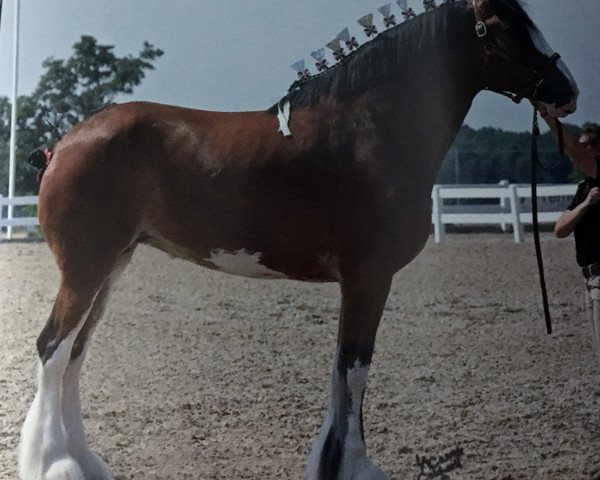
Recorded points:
242,263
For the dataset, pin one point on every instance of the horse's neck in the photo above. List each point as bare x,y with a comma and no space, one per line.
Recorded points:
420,113
408,133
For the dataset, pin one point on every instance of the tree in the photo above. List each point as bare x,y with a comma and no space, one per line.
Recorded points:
489,155
68,91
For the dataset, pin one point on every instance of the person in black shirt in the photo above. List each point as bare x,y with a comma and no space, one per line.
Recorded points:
583,214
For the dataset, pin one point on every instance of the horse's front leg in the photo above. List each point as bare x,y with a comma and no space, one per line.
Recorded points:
339,452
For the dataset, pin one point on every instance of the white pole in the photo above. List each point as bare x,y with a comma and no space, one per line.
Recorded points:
2,209
13,118
515,210
438,226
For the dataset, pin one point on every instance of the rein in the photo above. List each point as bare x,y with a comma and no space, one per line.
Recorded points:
535,161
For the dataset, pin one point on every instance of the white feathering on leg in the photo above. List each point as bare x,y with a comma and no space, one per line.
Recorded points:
43,448
43,453
91,464
355,464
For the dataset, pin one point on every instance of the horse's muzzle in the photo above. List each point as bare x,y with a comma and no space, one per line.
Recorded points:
562,111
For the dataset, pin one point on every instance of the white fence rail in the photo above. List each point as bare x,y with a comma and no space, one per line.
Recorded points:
503,205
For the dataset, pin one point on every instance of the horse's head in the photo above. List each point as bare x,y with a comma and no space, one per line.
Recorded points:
517,59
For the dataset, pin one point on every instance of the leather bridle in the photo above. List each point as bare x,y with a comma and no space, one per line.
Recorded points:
535,76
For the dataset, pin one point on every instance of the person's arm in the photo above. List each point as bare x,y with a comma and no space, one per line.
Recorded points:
567,221
582,156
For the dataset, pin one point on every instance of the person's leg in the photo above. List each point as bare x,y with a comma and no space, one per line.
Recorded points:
593,288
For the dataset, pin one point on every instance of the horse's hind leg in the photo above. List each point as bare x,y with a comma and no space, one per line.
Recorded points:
43,451
48,437
339,452
92,465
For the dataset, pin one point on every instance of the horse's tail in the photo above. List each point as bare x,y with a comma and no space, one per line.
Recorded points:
40,159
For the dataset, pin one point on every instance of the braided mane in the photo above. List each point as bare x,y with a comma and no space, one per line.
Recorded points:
390,51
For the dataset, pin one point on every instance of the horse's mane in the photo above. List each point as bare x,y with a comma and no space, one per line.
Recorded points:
387,53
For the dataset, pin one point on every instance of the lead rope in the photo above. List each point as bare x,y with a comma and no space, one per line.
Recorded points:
535,133
561,138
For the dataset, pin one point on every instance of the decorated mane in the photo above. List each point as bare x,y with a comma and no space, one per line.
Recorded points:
361,66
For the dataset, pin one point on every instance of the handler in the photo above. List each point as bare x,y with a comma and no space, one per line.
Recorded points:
583,214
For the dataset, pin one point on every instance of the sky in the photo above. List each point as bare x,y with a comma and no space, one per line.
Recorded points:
236,54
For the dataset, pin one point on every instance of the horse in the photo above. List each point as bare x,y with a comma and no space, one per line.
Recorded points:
344,196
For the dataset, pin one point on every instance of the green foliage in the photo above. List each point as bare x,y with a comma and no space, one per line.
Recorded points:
490,155
68,91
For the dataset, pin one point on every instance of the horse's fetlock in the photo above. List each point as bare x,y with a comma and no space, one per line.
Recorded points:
92,465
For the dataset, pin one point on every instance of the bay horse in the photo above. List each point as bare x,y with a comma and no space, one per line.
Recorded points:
346,198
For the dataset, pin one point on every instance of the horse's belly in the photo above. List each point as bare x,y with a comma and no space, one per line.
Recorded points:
251,263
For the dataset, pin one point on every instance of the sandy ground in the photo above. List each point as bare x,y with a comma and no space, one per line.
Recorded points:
195,374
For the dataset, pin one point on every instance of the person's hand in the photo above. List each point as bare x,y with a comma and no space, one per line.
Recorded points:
593,197
542,109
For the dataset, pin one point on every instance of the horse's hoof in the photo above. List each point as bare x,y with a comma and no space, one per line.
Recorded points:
93,467
65,469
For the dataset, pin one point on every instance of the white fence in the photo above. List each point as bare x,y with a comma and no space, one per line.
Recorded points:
513,206
6,224
503,205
